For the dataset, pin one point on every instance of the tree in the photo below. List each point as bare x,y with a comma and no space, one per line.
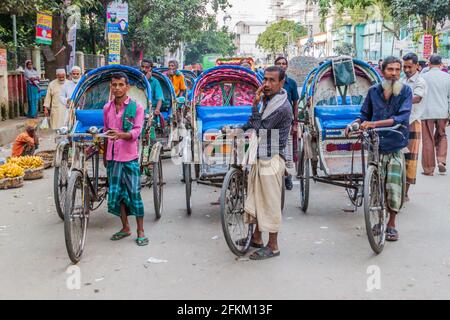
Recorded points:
280,35
210,41
344,49
429,13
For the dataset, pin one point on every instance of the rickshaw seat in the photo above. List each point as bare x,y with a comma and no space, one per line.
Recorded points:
88,118
336,117
218,116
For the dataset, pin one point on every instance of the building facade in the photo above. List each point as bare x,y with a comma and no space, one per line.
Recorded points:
246,35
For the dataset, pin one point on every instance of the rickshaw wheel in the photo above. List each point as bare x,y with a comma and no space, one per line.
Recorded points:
188,186
157,186
237,233
76,216
60,180
374,210
304,177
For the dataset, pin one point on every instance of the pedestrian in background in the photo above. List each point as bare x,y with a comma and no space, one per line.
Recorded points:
291,88
52,102
419,90
435,118
32,77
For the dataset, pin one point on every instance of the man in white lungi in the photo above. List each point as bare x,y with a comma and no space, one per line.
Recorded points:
272,125
52,102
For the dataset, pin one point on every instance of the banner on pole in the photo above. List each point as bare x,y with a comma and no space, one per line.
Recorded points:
117,17
427,45
72,41
44,28
114,40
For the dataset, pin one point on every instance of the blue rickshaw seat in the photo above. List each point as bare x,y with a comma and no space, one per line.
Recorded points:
88,118
331,117
218,116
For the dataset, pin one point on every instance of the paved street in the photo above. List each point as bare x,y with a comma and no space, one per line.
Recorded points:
324,254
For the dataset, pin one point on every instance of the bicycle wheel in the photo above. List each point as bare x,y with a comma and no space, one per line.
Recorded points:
60,180
237,233
158,188
374,211
304,176
76,216
188,186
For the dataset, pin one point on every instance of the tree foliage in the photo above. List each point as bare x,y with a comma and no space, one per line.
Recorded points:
280,35
210,41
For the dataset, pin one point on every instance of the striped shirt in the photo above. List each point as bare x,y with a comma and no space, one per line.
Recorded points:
278,123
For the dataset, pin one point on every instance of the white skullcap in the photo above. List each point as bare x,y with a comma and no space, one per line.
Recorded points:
60,71
77,68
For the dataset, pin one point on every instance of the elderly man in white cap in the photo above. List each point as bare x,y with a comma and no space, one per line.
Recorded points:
52,101
69,86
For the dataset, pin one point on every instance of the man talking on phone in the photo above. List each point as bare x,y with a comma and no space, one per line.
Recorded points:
265,181
123,120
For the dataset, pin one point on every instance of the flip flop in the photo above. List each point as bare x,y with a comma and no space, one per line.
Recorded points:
120,235
391,234
263,254
243,241
142,241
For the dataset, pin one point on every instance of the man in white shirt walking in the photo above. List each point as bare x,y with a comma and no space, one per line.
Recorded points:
419,89
435,118
69,86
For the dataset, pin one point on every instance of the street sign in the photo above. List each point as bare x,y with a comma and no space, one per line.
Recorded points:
114,48
117,17
44,28
427,45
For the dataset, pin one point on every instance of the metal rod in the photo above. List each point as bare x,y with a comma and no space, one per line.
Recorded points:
334,183
15,40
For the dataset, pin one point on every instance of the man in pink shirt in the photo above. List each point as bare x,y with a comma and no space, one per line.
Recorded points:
123,121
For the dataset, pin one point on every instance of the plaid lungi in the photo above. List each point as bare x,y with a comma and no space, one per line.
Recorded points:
125,187
415,130
392,170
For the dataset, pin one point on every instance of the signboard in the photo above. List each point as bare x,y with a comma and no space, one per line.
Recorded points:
44,28
427,46
3,57
114,48
117,17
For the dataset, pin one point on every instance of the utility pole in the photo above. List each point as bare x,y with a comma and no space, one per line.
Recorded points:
15,40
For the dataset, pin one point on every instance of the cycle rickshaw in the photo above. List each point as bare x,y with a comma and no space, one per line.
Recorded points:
222,96
331,99
80,177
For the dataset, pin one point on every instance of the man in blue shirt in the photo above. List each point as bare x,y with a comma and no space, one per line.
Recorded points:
389,104
157,93
292,90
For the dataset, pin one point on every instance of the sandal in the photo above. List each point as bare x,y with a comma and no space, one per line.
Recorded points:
391,234
120,235
263,254
142,241
242,242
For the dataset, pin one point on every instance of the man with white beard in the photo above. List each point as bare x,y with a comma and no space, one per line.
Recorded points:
69,86
386,105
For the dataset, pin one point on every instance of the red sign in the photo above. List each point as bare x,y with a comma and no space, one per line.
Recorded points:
2,57
427,45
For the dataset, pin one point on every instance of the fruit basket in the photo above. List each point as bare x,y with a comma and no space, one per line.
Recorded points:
33,174
48,156
11,176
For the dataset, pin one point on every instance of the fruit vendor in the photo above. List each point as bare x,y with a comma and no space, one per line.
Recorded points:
26,143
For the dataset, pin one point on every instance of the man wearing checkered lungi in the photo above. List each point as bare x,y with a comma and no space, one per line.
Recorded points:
123,121
386,105
419,88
